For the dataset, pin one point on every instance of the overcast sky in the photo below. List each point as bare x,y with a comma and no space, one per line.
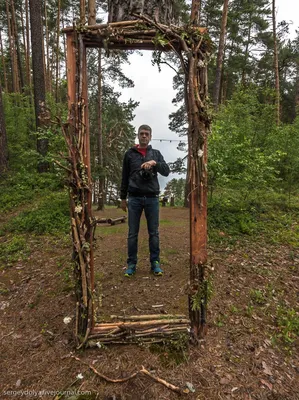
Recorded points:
155,93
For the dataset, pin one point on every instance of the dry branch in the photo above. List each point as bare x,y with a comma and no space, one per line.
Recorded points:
140,324
147,317
143,371
162,381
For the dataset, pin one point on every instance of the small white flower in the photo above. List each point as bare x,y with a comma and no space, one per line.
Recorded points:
67,320
78,209
99,345
79,376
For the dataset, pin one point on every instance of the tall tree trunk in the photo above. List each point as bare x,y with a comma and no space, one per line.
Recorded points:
38,75
91,12
100,136
220,55
11,50
3,139
82,11
196,87
26,55
57,52
246,55
17,45
195,12
63,36
47,63
3,65
276,69
28,69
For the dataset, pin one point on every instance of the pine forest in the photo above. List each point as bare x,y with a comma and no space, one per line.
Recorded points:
250,346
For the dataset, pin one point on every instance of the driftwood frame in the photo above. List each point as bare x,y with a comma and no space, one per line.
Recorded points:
192,46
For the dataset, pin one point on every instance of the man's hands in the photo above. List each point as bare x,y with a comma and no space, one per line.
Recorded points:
148,164
123,205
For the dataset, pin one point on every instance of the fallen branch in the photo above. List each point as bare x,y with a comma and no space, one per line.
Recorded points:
143,371
8,334
162,381
148,317
106,378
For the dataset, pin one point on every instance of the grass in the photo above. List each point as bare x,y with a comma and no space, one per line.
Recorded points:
24,187
51,215
13,249
265,214
287,322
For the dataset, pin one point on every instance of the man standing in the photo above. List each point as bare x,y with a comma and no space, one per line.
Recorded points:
139,180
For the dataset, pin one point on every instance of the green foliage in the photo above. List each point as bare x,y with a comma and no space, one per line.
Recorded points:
265,212
176,188
228,212
117,136
258,297
24,186
238,154
19,120
285,142
287,320
13,249
203,294
51,215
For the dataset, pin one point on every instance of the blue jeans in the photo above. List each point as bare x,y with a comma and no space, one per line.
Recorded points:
150,205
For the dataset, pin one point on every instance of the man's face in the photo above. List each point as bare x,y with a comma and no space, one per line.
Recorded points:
144,137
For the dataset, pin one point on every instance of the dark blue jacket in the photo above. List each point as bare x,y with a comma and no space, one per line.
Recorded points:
132,180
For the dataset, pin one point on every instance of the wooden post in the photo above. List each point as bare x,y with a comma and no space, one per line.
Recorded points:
71,71
88,166
80,187
195,93
198,251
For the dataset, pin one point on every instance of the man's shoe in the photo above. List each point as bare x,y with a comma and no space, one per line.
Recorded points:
156,269
130,271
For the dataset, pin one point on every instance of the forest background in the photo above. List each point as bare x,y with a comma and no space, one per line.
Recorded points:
253,182
254,100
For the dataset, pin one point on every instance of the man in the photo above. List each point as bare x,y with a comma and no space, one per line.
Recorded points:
139,180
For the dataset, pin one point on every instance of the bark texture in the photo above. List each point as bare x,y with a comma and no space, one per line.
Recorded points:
91,12
38,74
101,183
220,55
3,139
160,10
276,69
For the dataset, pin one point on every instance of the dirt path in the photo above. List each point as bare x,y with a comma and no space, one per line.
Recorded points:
143,293
249,353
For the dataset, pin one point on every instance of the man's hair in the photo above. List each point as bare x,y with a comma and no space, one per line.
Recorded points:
145,128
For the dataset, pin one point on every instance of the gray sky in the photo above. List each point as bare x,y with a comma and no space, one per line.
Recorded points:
154,90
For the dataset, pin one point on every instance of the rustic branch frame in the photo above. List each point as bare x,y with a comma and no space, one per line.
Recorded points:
193,46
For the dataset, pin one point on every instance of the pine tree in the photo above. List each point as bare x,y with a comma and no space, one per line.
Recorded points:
3,138
38,75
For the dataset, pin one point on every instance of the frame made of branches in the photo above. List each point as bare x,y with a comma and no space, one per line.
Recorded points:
193,47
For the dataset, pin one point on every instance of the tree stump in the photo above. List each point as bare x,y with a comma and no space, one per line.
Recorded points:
160,10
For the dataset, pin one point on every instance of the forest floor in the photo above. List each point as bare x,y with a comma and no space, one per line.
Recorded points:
250,351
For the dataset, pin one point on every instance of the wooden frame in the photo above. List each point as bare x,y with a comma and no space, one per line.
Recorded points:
192,46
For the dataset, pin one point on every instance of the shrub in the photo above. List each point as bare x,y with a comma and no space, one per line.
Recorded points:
50,216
